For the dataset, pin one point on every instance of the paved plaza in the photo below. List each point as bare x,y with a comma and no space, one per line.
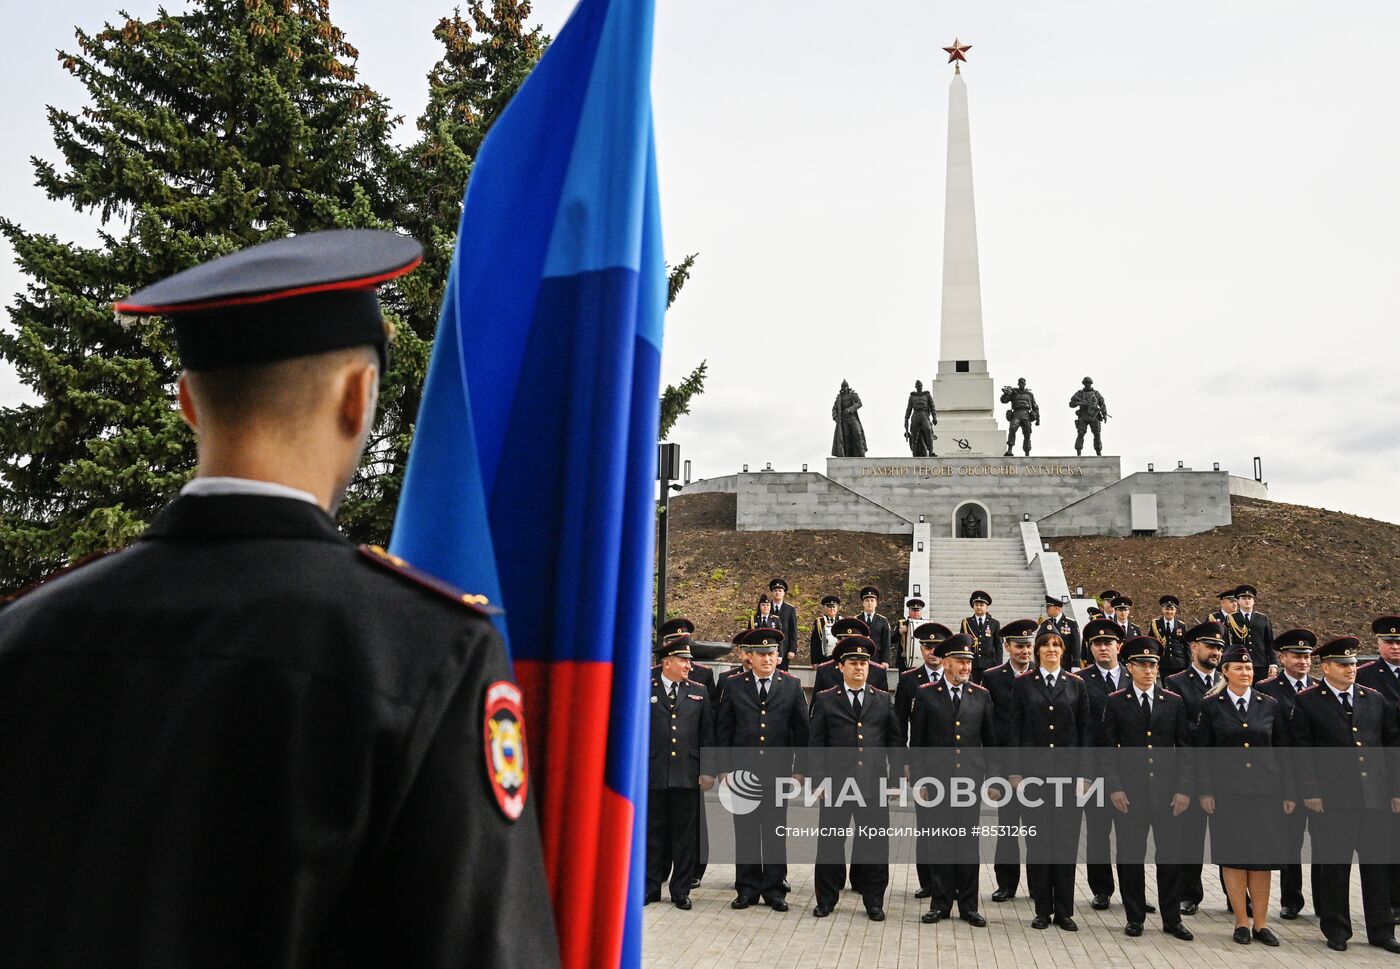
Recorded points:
713,934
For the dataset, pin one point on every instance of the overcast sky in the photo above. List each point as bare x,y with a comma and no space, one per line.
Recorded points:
1195,203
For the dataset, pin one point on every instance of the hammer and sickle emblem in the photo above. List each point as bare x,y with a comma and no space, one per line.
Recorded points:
963,444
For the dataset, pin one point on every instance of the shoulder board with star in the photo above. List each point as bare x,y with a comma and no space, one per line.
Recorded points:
476,603
791,676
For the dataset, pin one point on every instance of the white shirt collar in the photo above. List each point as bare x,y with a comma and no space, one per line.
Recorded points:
202,487
1139,694
1349,692
1044,673
1298,683
666,681
1247,696
931,672
1393,668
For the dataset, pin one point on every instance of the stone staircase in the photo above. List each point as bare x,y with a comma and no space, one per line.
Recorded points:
958,566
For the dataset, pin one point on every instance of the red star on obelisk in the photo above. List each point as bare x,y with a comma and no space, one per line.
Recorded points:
958,52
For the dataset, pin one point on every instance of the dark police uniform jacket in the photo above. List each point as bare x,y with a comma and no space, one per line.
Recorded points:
1176,655
1376,675
817,642
1252,767
1042,717
1096,683
244,742
1281,689
702,676
787,622
826,676
909,683
679,733
779,722
1188,685
1148,780
1257,635
935,725
834,724
1000,682
1068,630
1342,760
879,635
987,649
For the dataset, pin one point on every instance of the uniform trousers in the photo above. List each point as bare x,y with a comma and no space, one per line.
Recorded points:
870,855
1007,856
1191,828
1098,831
1132,829
955,868
1290,878
671,839
760,852
1338,833
1050,854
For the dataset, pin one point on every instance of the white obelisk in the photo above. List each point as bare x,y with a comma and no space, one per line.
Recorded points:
962,389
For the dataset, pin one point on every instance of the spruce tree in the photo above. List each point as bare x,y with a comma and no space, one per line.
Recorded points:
204,132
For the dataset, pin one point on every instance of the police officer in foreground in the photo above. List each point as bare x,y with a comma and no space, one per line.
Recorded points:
985,632
699,672
1383,674
1295,649
951,731
702,675
1105,675
762,718
828,674
1170,632
242,740
682,731
1000,681
1351,790
1057,622
855,725
928,635
1148,791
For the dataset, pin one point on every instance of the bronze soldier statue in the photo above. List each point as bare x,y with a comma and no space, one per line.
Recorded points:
919,418
849,439
1024,410
1092,412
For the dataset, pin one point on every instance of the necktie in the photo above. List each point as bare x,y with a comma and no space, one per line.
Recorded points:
855,703
1346,704
1240,703
763,690
1146,706
671,694
1050,682
957,697
1112,681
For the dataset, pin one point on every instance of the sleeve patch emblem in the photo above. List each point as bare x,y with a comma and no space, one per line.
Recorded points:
504,736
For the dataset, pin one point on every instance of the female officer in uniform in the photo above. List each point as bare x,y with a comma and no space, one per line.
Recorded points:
1243,787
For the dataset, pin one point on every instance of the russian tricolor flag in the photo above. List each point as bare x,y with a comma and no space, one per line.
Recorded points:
531,478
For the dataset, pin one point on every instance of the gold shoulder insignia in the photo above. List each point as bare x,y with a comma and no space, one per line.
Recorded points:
476,603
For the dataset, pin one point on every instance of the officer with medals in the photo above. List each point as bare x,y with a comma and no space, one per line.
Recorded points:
682,731
823,640
1066,628
1351,789
1383,674
905,655
762,718
855,728
1169,631
1103,676
1000,681
1148,791
1253,630
951,729
702,675
1206,642
1295,649
241,740
828,674
928,636
699,672
879,633
1049,710
985,632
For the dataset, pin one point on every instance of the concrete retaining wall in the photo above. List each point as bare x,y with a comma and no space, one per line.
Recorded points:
1188,503
798,500
725,484
1248,488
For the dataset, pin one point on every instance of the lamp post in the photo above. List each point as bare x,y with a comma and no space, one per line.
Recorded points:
668,469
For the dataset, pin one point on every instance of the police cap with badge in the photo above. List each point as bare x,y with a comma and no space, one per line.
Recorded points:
854,648
1142,649
929,633
1019,630
1387,628
1296,641
1103,629
674,646
291,297
1341,650
958,646
761,640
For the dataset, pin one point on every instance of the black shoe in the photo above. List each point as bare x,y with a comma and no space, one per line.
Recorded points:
1389,945
1150,909
1242,935
1288,913
1099,903
694,884
975,919
1040,922
1132,930
1337,945
1395,916
1266,936
777,904
821,911
875,914
1178,931
1067,924
933,916
1003,894
743,901
1189,908
651,898
787,887
682,903
923,893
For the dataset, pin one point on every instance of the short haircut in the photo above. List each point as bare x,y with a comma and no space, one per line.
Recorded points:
269,393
